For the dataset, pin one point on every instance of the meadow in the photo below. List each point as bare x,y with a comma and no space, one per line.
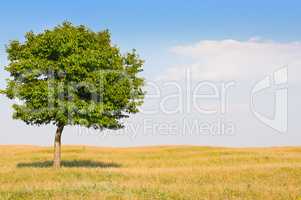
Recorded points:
161,172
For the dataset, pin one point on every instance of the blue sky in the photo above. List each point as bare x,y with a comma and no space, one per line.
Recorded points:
165,20
153,26
171,35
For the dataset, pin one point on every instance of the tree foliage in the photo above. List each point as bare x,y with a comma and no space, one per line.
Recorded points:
71,75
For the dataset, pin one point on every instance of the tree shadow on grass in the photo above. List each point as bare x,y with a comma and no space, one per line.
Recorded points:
70,164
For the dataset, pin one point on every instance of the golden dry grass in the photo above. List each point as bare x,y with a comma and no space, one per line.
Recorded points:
166,172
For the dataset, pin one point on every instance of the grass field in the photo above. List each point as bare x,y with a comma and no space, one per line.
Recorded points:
170,172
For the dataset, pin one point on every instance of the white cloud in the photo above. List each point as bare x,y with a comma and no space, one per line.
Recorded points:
234,60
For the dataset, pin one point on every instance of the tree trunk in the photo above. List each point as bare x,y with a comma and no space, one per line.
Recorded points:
57,147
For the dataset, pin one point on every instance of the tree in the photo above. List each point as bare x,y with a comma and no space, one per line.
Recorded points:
71,75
